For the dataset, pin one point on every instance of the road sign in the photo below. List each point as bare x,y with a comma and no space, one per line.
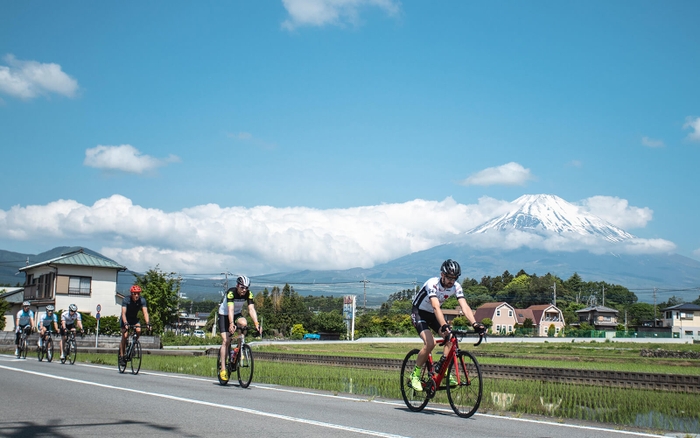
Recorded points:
97,316
99,308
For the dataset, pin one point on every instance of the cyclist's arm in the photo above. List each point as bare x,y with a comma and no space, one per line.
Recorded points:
438,311
466,310
231,322
124,315
144,309
80,323
254,315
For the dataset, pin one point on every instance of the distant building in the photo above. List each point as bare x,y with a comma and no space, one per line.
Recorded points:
78,278
683,320
542,316
600,317
501,314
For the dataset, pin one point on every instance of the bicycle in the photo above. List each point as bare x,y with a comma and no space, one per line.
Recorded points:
70,348
239,359
132,353
459,366
23,347
46,349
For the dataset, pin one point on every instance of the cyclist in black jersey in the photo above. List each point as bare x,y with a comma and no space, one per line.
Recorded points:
129,317
427,313
231,316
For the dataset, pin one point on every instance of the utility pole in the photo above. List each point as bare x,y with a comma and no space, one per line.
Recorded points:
654,307
555,294
364,288
603,295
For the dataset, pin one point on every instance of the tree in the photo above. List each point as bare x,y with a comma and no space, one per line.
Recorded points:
161,291
109,325
640,312
4,308
328,322
528,324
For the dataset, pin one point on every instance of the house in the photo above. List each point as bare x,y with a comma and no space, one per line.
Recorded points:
683,320
600,317
501,314
79,278
542,316
15,297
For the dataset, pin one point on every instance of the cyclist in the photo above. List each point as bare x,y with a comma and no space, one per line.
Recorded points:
231,318
24,319
427,313
45,324
130,317
69,319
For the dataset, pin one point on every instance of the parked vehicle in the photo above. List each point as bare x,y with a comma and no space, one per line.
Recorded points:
315,336
199,333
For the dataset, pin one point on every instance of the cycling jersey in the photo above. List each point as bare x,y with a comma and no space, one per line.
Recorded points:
25,318
433,288
237,300
70,320
47,320
132,309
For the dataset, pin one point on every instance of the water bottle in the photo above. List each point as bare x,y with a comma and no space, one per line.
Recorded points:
233,354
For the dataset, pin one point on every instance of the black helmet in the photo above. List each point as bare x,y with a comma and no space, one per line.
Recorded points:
451,268
243,281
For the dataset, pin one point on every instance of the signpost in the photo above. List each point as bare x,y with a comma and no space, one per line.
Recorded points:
349,314
97,330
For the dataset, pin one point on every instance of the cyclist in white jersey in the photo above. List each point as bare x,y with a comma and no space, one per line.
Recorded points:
24,319
427,313
231,316
45,322
69,318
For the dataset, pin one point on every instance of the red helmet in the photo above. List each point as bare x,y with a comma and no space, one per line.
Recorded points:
136,289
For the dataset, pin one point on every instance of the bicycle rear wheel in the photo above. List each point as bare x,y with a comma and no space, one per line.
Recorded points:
244,366
49,349
23,347
415,400
465,397
222,382
73,352
136,357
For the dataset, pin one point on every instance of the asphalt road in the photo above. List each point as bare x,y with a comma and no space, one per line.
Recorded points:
83,400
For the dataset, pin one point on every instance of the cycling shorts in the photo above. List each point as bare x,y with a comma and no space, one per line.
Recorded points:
224,322
69,327
131,322
423,321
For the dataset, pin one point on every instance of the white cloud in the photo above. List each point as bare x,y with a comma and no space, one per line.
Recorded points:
617,211
263,239
29,79
693,124
652,143
331,12
124,158
510,174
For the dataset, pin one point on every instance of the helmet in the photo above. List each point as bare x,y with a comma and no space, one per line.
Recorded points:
49,308
73,308
136,289
451,268
25,304
243,281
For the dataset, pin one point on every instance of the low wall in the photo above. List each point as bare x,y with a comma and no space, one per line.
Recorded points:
148,342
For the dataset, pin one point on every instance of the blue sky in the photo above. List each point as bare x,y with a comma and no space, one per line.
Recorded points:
266,136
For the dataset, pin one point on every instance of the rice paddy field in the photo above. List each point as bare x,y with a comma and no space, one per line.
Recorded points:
650,410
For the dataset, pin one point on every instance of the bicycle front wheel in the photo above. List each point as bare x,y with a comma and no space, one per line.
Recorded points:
72,352
40,351
465,397
49,350
415,400
245,366
23,348
136,357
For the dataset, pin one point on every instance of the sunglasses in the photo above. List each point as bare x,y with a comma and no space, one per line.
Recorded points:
449,277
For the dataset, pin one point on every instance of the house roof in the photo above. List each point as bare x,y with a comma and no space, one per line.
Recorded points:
79,258
685,306
12,294
523,314
601,309
486,310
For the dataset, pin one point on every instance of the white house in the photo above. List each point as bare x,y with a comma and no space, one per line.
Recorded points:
79,278
683,319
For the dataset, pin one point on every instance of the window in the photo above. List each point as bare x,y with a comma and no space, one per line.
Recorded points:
689,333
498,312
79,286
498,328
510,328
510,313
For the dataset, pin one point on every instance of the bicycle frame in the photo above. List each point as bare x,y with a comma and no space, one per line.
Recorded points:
451,357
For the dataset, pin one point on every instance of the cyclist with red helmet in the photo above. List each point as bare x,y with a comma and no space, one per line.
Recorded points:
427,313
130,317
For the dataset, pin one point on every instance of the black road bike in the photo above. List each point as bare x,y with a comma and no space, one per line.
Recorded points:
70,348
46,349
240,360
132,353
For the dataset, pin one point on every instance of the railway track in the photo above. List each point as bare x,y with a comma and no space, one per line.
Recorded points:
649,381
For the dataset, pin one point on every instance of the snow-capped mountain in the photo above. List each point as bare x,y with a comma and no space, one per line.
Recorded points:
549,213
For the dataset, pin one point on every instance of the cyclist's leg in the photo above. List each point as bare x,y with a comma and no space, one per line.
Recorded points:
225,339
423,321
137,328
62,341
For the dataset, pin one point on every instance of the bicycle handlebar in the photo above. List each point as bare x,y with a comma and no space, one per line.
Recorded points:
463,333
